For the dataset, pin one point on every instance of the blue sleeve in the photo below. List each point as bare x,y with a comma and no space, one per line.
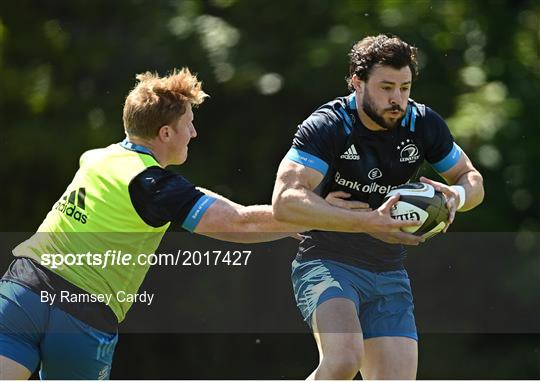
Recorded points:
160,196
318,139
440,149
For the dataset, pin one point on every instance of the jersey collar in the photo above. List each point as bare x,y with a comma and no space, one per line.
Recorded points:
410,114
135,147
351,99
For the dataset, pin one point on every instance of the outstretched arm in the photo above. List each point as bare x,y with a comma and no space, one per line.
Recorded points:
230,221
295,202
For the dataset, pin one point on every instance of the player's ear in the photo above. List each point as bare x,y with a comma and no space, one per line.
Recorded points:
357,83
164,133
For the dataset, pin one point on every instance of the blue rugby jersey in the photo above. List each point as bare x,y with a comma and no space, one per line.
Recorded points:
367,164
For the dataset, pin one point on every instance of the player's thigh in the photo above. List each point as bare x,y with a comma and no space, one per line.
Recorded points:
390,358
390,336
316,281
389,312
23,319
71,349
327,294
337,329
9,369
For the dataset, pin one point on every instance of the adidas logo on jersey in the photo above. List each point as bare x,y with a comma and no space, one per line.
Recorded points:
66,205
350,154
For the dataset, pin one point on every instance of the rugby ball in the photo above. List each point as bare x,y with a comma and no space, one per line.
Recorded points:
420,201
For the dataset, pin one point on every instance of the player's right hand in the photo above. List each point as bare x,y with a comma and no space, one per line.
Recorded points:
341,199
383,227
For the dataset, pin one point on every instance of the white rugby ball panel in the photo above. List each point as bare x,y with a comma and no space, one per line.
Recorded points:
420,201
407,211
414,189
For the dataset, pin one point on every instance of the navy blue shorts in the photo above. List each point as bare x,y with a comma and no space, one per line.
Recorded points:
32,332
383,300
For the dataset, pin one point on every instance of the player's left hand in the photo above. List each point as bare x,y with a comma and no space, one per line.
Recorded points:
451,196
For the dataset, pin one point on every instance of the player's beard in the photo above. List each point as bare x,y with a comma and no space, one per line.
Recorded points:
371,111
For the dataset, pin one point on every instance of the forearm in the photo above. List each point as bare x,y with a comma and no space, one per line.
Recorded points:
473,184
234,222
256,218
260,218
303,207
256,224
247,237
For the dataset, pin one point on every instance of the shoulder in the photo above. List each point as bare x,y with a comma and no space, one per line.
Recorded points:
117,159
434,133
155,179
423,118
426,113
330,118
160,196
95,155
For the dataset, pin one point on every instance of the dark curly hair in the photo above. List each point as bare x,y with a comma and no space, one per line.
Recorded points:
381,49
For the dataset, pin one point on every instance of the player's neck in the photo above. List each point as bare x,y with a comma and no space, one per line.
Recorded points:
157,152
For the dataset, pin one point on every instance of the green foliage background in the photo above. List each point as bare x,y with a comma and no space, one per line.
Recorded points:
66,66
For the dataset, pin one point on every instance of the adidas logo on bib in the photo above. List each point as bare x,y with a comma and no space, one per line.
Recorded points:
73,205
350,154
